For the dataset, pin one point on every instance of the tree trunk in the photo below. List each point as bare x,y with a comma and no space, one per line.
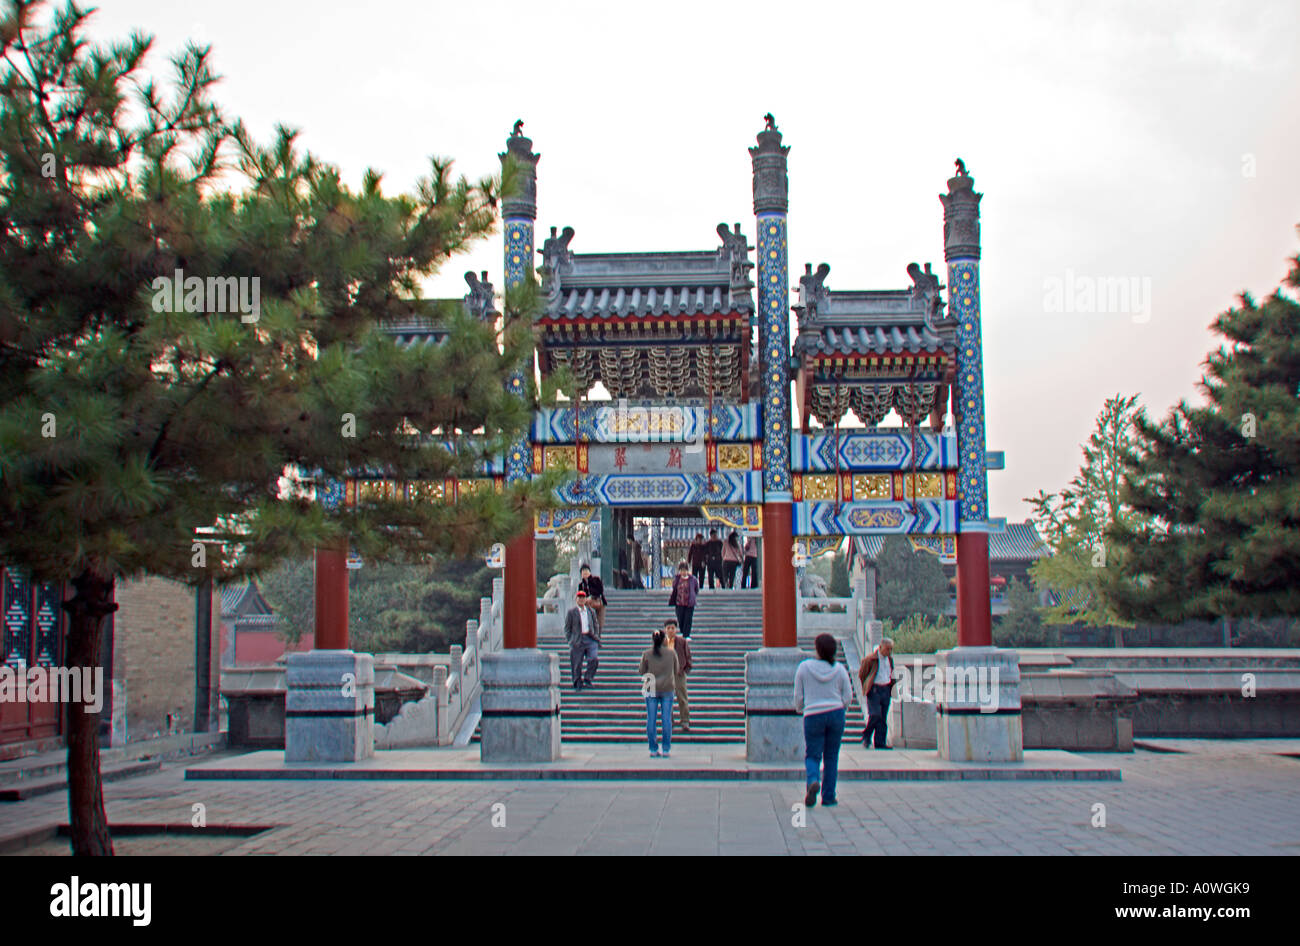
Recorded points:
87,609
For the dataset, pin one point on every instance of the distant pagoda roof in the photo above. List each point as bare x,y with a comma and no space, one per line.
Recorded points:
1019,543
646,285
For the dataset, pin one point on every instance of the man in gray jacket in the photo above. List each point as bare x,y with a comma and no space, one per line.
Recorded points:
582,631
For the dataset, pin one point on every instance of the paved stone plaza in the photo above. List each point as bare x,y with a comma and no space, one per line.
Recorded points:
1212,797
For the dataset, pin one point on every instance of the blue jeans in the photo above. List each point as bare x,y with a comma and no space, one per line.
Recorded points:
822,733
659,704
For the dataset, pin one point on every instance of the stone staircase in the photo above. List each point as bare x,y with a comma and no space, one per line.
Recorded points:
728,623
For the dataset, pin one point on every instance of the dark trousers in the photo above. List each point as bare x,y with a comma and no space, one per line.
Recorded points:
585,647
699,573
822,733
749,576
685,616
715,572
729,574
877,714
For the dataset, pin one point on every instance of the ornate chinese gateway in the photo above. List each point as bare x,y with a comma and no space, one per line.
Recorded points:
677,370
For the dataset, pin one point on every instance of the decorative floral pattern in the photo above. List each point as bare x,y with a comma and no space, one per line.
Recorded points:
964,305
774,345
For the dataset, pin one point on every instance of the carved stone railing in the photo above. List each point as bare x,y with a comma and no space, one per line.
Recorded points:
438,718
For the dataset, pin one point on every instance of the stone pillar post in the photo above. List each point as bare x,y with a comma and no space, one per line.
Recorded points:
329,705
521,697
519,212
978,707
773,728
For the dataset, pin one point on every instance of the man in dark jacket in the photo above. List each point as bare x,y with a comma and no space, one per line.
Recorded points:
713,557
695,559
582,631
595,590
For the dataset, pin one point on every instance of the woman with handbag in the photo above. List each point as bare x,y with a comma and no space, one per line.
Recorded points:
683,596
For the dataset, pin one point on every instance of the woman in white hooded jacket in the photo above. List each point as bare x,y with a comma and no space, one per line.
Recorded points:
822,692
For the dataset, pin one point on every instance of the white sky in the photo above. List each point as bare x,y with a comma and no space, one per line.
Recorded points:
1109,141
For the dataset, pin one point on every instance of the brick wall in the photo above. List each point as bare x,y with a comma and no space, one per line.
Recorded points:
153,657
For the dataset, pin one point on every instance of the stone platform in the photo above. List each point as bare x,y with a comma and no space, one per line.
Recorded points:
615,762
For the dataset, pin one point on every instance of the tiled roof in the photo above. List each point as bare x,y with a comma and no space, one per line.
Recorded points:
246,598
871,322
635,285
623,301
425,322
230,597
879,340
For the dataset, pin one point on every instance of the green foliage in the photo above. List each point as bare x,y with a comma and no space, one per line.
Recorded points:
917,635
170,421
909,582
392,607
1085,568
1219,484
1022,625
289,588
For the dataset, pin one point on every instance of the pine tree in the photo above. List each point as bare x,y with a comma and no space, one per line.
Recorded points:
909,582
1220,482
138,436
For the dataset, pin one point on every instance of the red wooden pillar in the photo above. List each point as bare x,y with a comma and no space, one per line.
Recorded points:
779,627
332,596
521,593
974,619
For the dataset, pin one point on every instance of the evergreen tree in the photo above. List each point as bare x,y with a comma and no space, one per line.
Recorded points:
1022,625
908,582
1219,483
1085,567
139,436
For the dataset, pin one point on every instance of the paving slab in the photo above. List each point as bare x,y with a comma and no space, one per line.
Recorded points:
712,763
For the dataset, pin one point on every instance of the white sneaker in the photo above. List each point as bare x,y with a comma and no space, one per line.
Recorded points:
655,754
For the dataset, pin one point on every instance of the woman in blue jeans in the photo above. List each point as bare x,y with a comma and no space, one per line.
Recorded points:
822,692
658,671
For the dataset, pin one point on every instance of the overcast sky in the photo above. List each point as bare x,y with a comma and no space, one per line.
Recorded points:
1155,142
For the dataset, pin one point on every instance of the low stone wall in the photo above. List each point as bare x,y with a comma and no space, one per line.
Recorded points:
1099,699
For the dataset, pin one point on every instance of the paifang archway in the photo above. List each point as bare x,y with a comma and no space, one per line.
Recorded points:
694,349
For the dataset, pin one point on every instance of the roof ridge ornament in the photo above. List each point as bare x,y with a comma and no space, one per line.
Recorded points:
555,254
481,298
925,289
735,250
